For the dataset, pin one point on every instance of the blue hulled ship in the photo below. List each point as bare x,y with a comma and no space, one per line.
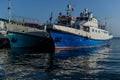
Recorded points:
83,31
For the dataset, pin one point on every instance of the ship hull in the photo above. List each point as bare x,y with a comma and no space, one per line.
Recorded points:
23,40
69,41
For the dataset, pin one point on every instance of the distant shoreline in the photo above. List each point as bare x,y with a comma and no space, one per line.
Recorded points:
116,37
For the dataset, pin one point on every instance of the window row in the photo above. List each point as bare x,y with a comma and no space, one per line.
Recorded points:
94,30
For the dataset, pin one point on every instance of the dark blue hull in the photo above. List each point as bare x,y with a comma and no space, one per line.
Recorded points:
64,40
23,40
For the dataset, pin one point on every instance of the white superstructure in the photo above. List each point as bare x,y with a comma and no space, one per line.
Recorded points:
85,25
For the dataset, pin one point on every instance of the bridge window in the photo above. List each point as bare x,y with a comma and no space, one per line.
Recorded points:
99,31
95,30
86,28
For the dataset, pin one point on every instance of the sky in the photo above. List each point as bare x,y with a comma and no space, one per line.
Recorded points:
104,10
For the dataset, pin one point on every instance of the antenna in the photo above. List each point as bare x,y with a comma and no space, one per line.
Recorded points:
105,22
9,12
51,16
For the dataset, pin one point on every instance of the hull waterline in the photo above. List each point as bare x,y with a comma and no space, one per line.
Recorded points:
67,41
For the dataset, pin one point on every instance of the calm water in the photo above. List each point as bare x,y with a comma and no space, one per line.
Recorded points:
28,64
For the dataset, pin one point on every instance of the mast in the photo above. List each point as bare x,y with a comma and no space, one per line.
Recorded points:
69,9
9,11
51,16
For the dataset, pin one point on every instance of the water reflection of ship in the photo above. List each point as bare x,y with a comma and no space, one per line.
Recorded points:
81,51
33,57
28,62
85,66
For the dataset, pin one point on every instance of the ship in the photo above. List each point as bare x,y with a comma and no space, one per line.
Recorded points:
22,32
84,31
30,38
18,34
